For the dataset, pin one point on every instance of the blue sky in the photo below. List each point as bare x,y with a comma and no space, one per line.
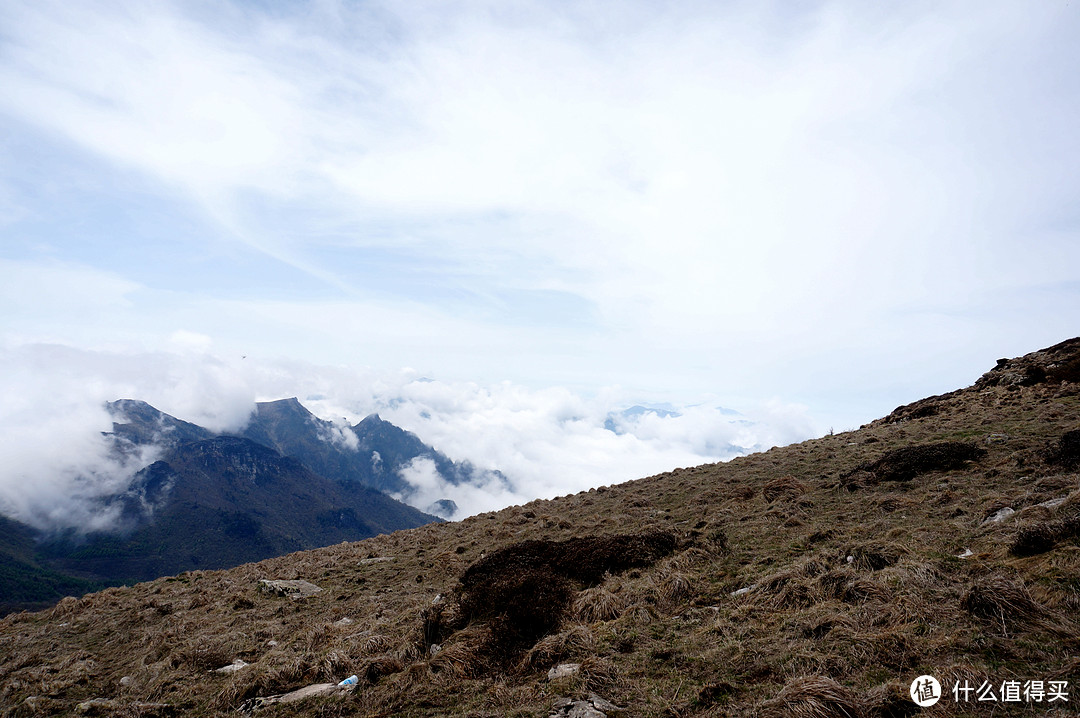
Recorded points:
827,210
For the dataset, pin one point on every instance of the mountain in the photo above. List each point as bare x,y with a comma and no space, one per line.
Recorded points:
136,424
816,580
370,453
615,421
220,502
212,501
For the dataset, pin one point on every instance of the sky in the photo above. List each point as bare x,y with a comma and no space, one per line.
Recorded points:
498,222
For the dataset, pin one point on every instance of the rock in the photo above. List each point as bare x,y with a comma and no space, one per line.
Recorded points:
271,643
603,705
564,670
375,559
318,689
293,589
233,667
999,516
97,706
584,709
346,621
592,707
126,681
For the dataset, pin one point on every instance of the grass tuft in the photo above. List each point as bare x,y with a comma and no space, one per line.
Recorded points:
1003,603
597,604
814,697
786,487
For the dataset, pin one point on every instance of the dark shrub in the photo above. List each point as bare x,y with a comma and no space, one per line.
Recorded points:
521,608
1066,371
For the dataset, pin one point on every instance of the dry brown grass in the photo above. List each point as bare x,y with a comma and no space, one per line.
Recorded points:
1006,603
464,655
1041,536
576,641
876,555
814,697
797,586
597,604
783,487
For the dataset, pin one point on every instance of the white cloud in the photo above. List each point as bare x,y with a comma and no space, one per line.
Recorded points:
53,288
488,492
145,86
55,461
552,442
184,341
338,433
548,442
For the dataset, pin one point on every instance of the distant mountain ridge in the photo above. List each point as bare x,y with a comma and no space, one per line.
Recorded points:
371,452
288,481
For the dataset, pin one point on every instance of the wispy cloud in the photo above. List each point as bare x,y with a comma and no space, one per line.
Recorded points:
747,152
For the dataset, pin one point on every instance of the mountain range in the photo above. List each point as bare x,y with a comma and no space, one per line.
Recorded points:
288,481
370,453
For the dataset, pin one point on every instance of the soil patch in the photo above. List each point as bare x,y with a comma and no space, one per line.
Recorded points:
524,591
1067,452
907,462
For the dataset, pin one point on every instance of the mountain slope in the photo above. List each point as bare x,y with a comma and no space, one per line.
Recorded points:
813,580
24,582
224,501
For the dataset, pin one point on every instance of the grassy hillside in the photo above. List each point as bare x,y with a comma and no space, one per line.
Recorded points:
817,579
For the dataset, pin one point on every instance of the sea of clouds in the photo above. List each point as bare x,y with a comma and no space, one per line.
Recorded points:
55,463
